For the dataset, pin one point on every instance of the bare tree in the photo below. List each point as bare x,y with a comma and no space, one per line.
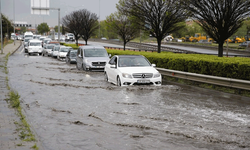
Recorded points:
122,26
158,17
219,18
72,24
89,24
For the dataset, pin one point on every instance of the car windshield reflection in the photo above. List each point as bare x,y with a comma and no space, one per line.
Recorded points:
95,53
133,62
35,44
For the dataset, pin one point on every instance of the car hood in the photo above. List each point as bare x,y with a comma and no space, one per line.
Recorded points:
131,70
93,59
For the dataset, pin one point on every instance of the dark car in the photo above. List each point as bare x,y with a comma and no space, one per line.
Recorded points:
71,56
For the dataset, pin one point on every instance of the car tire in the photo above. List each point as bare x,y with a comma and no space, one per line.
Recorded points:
106,77
118,82
78,68
84,67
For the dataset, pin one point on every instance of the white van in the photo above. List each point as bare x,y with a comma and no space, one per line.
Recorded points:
34,47
28,35
91,58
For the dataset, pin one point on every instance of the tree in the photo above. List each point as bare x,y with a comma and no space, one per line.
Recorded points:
220,19
56,29
6,27
43,28
122,26
89,24
63,30
159,17
72,24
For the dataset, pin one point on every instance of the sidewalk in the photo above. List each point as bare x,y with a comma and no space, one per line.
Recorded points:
9,137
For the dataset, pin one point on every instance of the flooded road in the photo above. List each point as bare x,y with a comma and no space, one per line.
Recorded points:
76,110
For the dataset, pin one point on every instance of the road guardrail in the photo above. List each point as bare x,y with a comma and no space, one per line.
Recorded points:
227,82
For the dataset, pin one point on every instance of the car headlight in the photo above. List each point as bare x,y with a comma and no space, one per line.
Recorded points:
157,75
126,75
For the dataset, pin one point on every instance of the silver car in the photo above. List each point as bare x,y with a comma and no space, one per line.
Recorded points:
55,51
92,58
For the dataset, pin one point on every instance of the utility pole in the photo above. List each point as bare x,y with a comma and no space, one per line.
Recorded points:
14,21
1,26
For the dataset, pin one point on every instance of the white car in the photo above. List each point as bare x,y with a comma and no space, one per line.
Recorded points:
34,47
47,50
63,52
55,51
125,70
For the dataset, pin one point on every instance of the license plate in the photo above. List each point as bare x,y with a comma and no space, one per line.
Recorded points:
143,81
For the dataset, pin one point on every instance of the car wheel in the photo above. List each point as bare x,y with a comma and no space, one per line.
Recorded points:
77,67
83,67
106,77
118,83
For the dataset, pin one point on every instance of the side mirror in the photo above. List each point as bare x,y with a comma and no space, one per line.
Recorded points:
79,56
109,55
153,65
112,66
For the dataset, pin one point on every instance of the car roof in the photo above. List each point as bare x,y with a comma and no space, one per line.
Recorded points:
129,56
35,40
91,46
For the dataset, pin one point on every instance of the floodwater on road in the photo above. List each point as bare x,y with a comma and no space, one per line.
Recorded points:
76,110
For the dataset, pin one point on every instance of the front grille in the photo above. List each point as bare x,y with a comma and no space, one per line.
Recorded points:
98,63
142,75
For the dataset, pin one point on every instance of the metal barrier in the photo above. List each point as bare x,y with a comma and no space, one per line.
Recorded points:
227,82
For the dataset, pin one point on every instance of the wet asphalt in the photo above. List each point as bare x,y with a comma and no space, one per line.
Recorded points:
72,109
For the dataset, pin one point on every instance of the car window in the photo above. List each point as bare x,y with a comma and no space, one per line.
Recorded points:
64,49
133,62
49,47
35,44
113,60
73,53
95,53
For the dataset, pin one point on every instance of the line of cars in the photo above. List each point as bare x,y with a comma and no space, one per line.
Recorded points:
121,70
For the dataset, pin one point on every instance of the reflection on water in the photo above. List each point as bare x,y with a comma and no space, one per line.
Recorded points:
71,109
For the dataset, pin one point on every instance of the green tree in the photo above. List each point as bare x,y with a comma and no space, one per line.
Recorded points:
123,26
7,29
43,28
159,17
56,29
219,18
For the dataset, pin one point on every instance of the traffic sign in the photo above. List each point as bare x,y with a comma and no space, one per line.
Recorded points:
22,25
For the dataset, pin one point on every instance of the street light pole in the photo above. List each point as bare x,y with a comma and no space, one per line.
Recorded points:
14,21
1,26
99,19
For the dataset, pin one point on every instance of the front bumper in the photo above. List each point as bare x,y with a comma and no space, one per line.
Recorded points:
141,81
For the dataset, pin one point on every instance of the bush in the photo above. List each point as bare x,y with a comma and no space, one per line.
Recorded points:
230,67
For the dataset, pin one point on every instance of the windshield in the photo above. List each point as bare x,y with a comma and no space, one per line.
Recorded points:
28,36
35,44
56,48
26,40
64,49
50,47
73,53
133,62
70,34
95,53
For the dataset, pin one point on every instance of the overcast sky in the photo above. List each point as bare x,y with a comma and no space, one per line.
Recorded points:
23,9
